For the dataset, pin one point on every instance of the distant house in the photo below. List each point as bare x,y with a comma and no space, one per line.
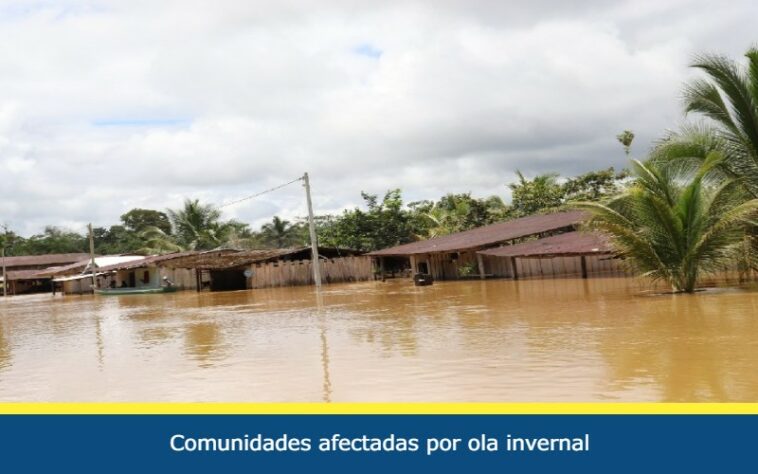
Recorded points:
247,269
148,272
455,256
223,270
77,277
23,271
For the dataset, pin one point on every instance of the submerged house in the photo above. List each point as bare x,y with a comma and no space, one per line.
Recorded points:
224,270
483,252
24,272
76,278
247,269
148,272
572,254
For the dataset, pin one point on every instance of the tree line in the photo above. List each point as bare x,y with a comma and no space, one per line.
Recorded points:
380,223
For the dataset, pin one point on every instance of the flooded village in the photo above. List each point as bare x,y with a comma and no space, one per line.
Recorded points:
501,208
531,309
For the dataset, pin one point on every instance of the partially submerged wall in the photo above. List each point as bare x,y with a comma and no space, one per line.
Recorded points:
300,272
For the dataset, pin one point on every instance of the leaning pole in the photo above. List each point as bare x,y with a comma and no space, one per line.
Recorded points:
312,228
92,257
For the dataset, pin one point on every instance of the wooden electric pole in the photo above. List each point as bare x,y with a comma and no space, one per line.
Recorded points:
314,241
5,279
92,257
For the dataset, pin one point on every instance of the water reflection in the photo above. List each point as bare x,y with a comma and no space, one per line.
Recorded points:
688,347
204,342
563,339
5,347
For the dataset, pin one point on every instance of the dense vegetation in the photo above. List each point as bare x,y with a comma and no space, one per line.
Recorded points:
381,223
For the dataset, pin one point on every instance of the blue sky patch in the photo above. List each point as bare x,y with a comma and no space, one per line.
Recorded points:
368,50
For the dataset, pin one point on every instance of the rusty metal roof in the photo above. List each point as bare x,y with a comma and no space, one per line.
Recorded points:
80,266
24,275
44,260
155,259
566,244
488,235
231,259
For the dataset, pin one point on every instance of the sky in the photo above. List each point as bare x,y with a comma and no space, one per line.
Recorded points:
107,106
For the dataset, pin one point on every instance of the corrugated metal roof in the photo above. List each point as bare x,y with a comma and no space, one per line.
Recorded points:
24,275
211,260
80,266
488,235
153,260
566,244
49,259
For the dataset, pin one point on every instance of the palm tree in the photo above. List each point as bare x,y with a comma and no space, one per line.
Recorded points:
156,241
198,226
531,196
676,223
280,233
447,220
728,96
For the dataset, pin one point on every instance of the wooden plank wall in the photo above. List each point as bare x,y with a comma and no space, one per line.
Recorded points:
442,267
597,266
184,278
299,272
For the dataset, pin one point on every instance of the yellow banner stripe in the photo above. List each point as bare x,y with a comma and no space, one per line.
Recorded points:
379,408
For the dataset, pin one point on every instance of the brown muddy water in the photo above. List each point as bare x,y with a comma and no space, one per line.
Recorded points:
502,340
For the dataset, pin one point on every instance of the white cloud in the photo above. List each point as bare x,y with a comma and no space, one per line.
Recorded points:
107,106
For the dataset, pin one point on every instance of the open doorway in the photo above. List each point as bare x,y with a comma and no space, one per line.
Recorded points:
228,280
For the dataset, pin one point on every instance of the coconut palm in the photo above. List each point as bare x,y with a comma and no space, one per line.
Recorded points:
280,233
155,242
728,96
198,226
676,223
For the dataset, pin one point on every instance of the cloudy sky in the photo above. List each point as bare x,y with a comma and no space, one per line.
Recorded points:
106,106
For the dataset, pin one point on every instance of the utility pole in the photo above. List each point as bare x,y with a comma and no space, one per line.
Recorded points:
5,280
312,227
92,257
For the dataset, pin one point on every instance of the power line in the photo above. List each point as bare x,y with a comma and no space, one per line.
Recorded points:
252,196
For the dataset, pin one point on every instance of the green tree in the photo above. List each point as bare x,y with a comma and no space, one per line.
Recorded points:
384,224
626,138
138,220
116,239
198,226
281,233
54,240
594,185
157,242
456,213
676,224
10,241
531,196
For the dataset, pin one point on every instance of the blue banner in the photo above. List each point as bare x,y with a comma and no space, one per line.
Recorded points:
377,443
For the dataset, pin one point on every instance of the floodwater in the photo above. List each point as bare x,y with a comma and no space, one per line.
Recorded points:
500,340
